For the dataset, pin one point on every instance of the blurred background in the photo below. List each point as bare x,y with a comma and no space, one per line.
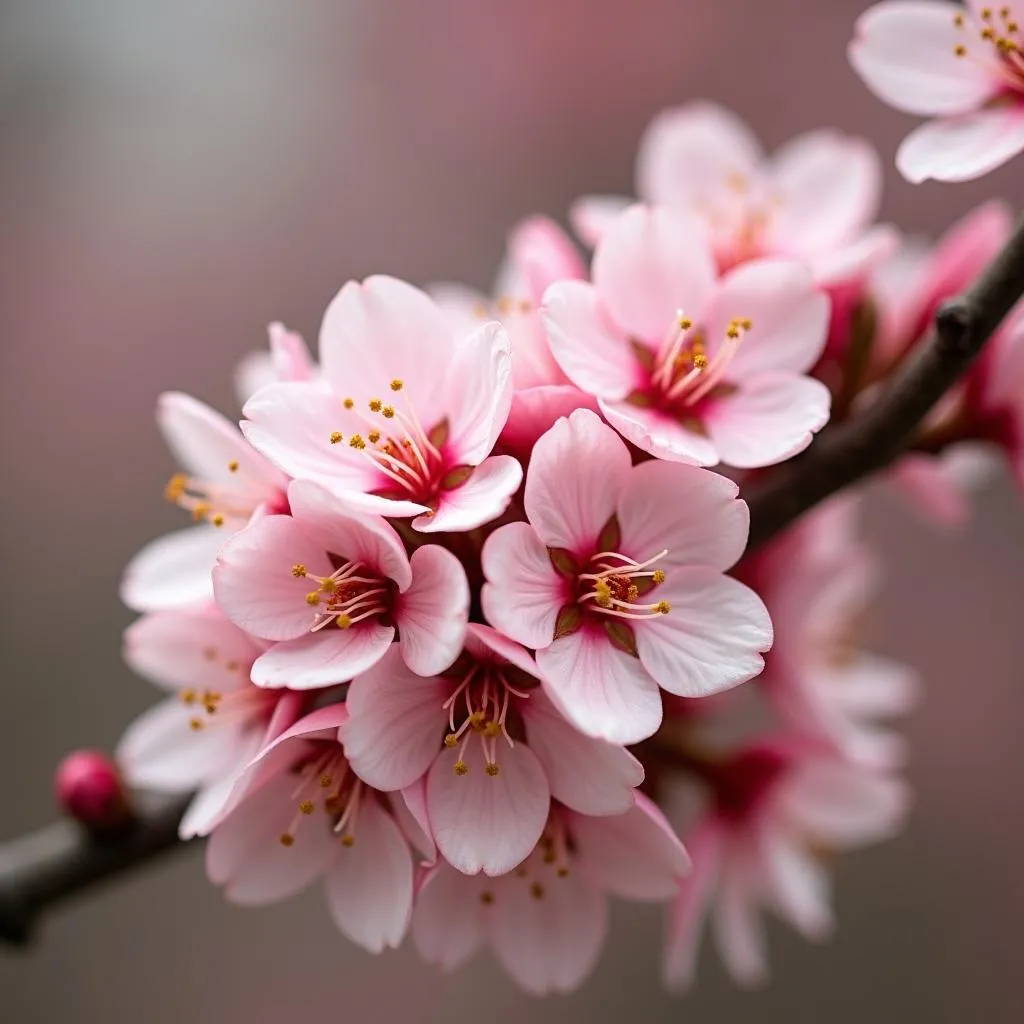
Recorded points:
173,177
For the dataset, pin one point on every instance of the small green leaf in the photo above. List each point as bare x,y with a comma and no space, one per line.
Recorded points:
438,434
569,620
564,562
456,477
644,356
641,399
610,536
621,636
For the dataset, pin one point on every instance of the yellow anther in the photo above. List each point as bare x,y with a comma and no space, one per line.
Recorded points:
492,729
732,332
231,666
524,305
326,780
209,653
659,576
195,724
299,570
537,891
632,592
356,441
313,597
188,696
480,310
986,13
397,385
348,840
685,323
746,323
233,466
487,897
958,20
200,512
663,607
348,403
503,304
373,436
307,807
461,768
343,621
328,586
562,872
700,361
603,592
336,437
451,741
388,412
287,839
476,719
376,405
492,769
217,520
176,487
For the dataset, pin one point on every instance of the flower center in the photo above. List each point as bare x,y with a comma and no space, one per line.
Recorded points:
742,783
245,707
216,503
999,37
349,595
615,585
323,779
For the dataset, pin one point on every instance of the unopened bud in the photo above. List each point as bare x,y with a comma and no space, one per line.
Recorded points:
89,787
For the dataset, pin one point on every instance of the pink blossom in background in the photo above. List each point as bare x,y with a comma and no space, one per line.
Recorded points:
288,358
406,413
329,586
493,749
546,921
303,815
777,812
688,367
618,582
216,720
963,66
812,201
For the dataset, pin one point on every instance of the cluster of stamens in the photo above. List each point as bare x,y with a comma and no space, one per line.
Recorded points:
208,502
345,597
682,372
503,305
327,781
999,31
616,583
485,694
396,443
235,707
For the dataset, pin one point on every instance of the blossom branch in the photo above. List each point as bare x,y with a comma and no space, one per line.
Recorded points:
872,439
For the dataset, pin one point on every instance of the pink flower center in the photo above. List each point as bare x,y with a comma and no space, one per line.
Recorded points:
614,585
221,504
742,784
323,779
351,594
998,46
479,708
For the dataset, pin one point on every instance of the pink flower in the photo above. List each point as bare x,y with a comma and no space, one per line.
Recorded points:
820,682
812,201
405,415
506,751
304,815
962,66
546,921
618,582
777,810
287,359
224,485
687,368
330,587
216,720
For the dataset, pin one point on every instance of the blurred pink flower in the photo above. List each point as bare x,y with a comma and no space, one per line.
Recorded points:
405,415
302,814
506,753
216,720
778,811
962,66
329,587
812,201
688,368
618,582
546,921
288,358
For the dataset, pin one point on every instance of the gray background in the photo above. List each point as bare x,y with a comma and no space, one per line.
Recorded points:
173,176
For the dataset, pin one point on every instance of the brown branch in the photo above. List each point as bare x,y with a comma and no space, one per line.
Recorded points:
63,860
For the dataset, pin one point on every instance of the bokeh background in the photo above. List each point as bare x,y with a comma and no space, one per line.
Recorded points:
173,177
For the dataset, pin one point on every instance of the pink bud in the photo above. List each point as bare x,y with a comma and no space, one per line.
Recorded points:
89,787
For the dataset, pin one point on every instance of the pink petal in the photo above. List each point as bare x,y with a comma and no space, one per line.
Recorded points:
905,53
325,658
173,571
245,853
635,855
214,800
604,692
536,410
254,583
549,944
591,216
190,648
769,419
447,924
711,638
738,929
523,593
690,155
649,265
369,884
587,775
488,645
852,263
410,810
333,526
659,435
591,349
798,884
713,530
788,314
543,254
926,482
396,723
578,470
487,822
160,751
962,148
482,498
290,353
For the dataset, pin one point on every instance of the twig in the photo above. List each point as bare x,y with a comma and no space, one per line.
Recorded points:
62,860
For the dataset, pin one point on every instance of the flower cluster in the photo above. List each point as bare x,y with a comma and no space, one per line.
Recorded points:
461,619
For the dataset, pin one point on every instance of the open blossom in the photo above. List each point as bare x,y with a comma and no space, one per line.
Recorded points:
818,580
405,415
224,484
961,65
492,747
618,582
330,588
287,358
777,811
216,721
546,921
304,815
687,367
812,201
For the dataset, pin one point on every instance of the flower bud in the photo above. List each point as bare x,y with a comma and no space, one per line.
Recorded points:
89,787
